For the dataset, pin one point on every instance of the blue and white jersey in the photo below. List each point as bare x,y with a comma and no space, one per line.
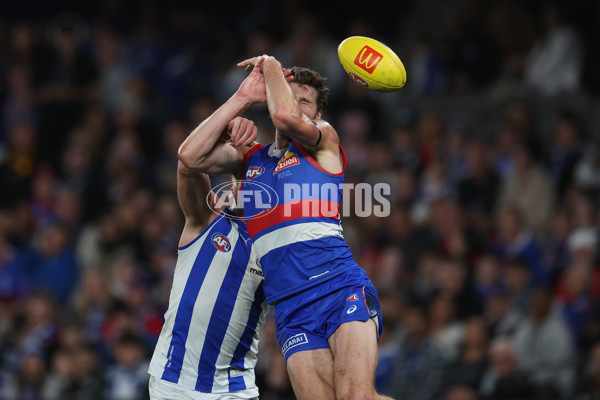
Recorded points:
209,341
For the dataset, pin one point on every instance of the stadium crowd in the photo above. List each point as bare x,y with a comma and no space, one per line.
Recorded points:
487,267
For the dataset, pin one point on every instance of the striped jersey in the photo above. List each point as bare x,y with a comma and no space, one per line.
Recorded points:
294,222
209,340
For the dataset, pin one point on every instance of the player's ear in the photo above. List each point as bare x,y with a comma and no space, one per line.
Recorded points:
319,114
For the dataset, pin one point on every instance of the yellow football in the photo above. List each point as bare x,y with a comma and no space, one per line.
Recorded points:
372,64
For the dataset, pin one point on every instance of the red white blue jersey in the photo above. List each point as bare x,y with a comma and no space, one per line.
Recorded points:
209,341
298,236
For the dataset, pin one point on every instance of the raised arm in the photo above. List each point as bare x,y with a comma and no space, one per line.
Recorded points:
206,149
193,188
295,115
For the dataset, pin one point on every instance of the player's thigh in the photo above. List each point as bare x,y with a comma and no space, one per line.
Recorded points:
311,374
354,347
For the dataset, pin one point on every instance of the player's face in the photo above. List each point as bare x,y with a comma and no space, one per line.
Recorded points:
307,97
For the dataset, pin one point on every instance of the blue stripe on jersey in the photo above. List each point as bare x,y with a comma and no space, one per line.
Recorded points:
219,320
237,383
183,318
294,222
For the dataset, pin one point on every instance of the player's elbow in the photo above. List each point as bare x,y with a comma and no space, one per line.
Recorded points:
283,120
188,159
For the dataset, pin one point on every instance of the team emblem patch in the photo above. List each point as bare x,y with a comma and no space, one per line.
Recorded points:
221,242
354,297
253,172
289,159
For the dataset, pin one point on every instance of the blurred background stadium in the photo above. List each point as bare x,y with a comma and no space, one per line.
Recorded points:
487,267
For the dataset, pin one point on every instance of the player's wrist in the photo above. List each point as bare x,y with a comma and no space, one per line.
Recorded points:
271,63
242,100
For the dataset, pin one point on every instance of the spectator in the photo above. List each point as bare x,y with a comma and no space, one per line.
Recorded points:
477,192
60,383
17,165
102,243
53,266
587,170
31,377
461,393
578,292
546,329
14,284
588,383
487,276
555,62
519,282
467,370
35,336
404,153
429,72
392,305
566,150
444,330
555,251
501,316
127,379
504,380
418,368
516,242
434,185
582,245
530,190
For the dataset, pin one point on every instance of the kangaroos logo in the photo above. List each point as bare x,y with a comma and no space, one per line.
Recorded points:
288,160
221,242
253,172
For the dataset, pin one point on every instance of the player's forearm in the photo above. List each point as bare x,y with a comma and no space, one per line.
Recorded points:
283,106
205,137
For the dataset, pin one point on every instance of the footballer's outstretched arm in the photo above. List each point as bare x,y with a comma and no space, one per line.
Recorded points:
288,117
205,148
193,194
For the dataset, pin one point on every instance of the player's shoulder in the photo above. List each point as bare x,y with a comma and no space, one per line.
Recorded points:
328,132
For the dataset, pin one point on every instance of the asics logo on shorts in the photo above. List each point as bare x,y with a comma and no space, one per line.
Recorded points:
351,310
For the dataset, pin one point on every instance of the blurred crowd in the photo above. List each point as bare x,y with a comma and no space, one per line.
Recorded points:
488,266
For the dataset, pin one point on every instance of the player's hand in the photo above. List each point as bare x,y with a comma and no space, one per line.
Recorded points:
253,88
243,131
251,63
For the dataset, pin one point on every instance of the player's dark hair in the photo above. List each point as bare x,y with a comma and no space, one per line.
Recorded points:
306,76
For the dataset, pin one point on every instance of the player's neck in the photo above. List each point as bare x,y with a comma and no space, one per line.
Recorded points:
281,141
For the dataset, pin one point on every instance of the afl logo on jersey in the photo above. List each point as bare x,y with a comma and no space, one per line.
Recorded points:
354,297
253,172
221,242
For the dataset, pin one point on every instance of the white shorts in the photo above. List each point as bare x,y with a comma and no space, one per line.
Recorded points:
164,390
